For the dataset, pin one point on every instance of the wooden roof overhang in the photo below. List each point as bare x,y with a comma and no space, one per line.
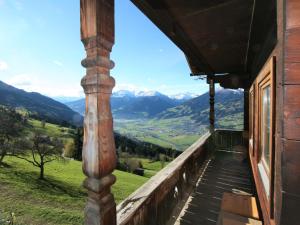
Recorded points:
215,35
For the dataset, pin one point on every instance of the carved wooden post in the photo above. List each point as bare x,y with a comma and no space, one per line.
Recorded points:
211,103
99,156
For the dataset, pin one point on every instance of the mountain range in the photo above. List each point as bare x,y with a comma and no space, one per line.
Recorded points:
227,102
155,105
137,104
39,106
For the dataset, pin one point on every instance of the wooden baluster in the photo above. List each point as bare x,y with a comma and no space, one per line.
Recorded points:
99,155
211,103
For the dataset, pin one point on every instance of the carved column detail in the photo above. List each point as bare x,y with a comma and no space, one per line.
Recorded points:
211,103
99,155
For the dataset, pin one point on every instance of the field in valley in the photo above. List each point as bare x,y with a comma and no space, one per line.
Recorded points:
170,133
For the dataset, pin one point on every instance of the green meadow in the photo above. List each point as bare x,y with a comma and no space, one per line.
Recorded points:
59,199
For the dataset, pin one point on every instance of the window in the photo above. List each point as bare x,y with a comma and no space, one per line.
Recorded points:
261,130
266,127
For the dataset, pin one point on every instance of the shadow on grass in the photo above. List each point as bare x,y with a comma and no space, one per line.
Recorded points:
49,185
5,165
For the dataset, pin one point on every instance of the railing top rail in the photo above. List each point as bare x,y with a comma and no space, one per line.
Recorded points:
129,206
223,129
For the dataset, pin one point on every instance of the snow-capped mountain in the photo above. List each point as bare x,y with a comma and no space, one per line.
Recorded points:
183,96
148,93
127,93
179,96
123,93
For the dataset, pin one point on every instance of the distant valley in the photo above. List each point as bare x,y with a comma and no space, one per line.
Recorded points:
170,121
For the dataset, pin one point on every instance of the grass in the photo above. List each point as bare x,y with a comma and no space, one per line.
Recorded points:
151,167
52,130
59,199
169,133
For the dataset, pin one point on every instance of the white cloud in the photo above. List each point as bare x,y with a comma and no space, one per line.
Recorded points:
33,83
58,63
129,87
3,65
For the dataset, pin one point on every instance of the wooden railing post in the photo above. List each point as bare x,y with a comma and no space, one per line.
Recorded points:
211,103
99,155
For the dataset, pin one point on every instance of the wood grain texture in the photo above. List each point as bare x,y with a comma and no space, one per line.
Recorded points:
292,12
292,73
242,205
292,112
99,154
290,209
292,45
290,157
291,167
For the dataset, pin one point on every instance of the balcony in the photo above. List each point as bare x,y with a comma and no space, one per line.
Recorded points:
189,190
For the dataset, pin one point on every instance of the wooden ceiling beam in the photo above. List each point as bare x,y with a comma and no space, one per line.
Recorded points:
233,81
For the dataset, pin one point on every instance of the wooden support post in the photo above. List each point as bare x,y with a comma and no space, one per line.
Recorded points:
211,103
99,155
246,109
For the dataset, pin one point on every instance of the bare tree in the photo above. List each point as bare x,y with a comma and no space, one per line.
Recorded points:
12,125
44,149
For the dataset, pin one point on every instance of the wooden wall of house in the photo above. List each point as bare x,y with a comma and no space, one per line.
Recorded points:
290,118
286,201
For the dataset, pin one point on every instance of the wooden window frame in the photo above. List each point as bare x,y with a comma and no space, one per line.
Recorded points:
252,118
265,82
266,77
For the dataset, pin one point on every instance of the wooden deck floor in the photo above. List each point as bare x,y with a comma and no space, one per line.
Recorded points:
224,172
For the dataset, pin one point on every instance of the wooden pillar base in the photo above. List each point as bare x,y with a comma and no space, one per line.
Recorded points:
101,207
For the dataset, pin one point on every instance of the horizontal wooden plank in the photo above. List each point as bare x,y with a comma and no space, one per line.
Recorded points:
292,71
292,50
293,14
291,167
242,205
291,124
234,219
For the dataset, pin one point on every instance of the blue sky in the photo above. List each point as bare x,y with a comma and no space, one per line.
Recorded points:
40,50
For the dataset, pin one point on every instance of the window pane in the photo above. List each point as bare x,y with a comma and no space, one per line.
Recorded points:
266,125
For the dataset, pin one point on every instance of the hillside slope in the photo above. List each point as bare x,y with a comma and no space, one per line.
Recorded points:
40,106
59,199
228,103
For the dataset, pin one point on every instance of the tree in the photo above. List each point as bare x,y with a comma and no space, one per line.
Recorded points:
44,149
69,149
12,125
43,124
78,142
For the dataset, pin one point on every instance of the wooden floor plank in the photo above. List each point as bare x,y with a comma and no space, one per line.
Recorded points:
225,173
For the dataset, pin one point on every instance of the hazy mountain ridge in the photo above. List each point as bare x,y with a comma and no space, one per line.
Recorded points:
154,105
227,102
40,106
128,104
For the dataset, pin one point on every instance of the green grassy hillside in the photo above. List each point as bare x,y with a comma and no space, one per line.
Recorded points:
38,105
57,200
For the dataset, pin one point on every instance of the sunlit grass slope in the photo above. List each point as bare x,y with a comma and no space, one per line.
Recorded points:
57,200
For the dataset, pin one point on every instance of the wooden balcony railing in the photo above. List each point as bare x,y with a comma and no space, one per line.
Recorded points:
227,140
165,193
